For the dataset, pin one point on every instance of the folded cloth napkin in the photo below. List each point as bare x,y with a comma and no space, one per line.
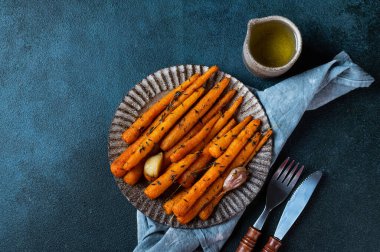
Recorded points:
285,104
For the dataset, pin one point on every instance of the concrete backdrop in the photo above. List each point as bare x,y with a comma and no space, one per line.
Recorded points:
65,66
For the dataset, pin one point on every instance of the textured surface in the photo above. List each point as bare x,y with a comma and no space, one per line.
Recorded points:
139,99
65,67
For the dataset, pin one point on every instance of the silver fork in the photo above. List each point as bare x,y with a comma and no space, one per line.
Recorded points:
281,184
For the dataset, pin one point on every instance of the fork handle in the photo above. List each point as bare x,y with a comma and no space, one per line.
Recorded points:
273,244
249,240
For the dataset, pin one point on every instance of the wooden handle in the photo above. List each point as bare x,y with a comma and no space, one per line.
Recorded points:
249,240
272,245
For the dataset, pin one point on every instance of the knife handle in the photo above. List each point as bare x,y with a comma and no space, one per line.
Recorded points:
249,240
272,245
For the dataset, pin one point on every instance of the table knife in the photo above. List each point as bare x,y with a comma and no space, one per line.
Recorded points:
292,210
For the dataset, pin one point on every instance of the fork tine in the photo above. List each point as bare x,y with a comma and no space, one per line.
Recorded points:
280,169
295,178
283,175
290,175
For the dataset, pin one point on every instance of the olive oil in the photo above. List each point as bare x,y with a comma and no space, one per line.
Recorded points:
272,44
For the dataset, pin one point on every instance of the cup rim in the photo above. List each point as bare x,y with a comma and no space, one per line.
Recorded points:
298,39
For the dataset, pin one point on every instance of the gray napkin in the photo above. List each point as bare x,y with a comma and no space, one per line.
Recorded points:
285,103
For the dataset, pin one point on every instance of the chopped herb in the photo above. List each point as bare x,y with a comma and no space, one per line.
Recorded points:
173,177
176,95
151,130
158,182
162,128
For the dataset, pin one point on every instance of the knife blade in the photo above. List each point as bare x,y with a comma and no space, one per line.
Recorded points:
293,209
296,204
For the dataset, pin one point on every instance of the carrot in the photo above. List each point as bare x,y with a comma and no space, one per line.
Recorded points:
134,131
134,175
117,165
188,178
212,112
155,134
184,149
214,172
168,205
170,152
262,141
241,160
224,119
219,145
163,182
247,151
193,116
196,208
219,106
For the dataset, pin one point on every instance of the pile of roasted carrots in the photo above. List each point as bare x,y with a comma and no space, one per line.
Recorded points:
201,143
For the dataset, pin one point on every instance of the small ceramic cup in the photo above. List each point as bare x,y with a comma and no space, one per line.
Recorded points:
263,71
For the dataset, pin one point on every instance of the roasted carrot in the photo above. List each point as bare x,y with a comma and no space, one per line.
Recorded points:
196,208
168,205
142,123
157,133
184,149
134,175
219,106
193,116
247,151
214,172
245,156
170,152
219,145
224,119
212,112
262,141
163,182
188,178
117,165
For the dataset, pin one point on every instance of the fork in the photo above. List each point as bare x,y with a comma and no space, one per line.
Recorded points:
281,184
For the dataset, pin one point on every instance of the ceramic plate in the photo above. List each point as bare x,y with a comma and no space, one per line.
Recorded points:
147,92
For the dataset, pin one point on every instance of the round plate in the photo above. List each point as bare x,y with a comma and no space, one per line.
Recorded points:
140,98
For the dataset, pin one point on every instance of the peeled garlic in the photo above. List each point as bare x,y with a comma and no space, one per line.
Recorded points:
153,166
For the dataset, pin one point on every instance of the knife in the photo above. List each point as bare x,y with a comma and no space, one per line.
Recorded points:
292,210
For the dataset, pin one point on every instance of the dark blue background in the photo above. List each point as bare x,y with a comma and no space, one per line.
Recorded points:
65,66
